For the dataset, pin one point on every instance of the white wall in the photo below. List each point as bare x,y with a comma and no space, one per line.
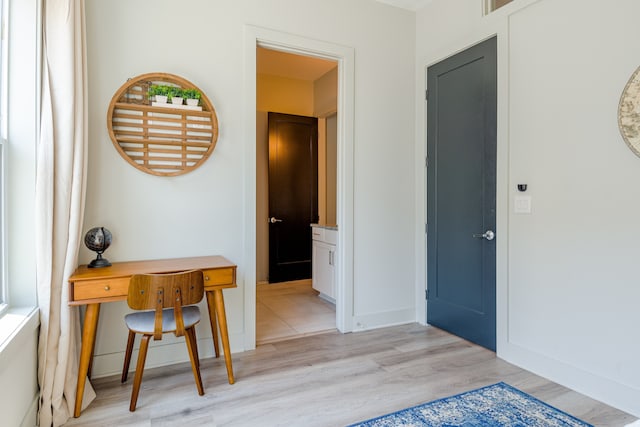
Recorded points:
325,94
202,212
284,95
568,287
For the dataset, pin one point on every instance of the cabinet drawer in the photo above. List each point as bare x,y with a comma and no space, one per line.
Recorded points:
331,236
219,276
108,288
317,233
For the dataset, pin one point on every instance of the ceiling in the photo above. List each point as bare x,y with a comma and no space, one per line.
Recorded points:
407,4
282,64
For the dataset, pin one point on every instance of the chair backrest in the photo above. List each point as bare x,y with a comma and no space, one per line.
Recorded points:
160,291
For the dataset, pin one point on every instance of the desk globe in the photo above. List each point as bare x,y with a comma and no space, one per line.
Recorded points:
98,239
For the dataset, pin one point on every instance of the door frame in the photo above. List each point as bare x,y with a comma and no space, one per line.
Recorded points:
500,31
345,57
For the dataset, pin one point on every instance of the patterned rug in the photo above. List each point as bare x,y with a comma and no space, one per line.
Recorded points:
494,405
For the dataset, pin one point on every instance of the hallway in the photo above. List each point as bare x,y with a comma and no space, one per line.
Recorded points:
290,310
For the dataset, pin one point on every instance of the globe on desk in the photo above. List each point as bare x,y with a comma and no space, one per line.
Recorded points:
98,239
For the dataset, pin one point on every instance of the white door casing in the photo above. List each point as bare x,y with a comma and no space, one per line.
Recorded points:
345,57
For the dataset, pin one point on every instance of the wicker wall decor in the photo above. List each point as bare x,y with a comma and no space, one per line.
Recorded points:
629,113
161,139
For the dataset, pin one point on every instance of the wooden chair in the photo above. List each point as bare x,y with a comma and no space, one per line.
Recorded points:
168,299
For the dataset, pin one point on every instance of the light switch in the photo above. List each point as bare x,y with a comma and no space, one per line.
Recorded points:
522,204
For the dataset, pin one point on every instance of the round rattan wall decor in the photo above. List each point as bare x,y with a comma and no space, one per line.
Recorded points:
160,138
629,113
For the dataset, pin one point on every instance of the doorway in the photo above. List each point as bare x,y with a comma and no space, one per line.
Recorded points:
345,57
461,194
294,94
293,194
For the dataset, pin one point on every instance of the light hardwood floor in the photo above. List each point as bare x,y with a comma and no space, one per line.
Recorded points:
329,379
291,310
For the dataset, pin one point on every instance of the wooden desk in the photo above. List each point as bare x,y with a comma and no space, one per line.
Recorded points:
94,286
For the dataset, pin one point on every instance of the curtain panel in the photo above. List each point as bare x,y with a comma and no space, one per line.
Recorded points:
60,197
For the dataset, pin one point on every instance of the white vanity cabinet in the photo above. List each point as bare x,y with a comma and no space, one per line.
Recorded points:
323,261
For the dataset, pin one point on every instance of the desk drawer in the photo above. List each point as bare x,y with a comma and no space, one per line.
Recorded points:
107,288
219,276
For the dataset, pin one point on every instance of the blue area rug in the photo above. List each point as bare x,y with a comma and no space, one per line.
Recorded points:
494,405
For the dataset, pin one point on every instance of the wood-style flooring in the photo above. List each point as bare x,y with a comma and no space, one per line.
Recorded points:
330,379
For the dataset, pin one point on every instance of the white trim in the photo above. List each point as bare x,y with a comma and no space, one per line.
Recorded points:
4,61
18,361
345,56
4,88
610,392
15,327
4,286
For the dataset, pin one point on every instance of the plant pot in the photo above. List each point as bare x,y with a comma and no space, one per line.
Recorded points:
162,99
193,102
176,100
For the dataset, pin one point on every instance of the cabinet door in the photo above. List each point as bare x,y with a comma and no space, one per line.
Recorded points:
323,269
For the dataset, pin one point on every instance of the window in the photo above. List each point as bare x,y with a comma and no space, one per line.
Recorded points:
3,144
491,5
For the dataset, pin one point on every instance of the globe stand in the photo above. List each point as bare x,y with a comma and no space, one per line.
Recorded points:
98,239
99,262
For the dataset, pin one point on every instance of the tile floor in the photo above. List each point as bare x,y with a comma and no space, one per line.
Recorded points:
290,310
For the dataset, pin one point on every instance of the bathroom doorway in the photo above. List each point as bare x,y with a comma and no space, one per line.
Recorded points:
300,85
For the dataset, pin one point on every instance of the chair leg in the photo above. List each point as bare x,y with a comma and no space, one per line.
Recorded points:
137,379
192,347
195,347
127,356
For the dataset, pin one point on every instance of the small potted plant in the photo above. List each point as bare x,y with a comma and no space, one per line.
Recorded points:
161,93
175,95
192,96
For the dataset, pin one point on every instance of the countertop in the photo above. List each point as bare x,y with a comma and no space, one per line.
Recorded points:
325,226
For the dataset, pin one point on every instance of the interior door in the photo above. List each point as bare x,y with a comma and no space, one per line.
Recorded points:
461,194
293,194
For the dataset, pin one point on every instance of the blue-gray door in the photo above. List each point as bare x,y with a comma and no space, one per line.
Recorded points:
461,194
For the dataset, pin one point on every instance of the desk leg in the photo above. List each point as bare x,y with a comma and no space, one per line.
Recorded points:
222,321
211,305
86,352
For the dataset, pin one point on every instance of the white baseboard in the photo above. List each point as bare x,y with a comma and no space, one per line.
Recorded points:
600,388
174,351
383,320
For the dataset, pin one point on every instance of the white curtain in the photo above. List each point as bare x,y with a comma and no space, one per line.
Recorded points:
60,196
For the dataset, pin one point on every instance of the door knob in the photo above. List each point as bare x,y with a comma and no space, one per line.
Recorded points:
273,220
488,235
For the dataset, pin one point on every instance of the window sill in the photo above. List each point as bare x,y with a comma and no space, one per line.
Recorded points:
16,326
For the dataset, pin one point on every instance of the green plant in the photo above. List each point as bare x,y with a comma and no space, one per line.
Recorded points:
191,94
161,90
174,92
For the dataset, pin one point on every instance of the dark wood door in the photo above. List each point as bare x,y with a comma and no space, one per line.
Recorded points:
461,194
293,194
